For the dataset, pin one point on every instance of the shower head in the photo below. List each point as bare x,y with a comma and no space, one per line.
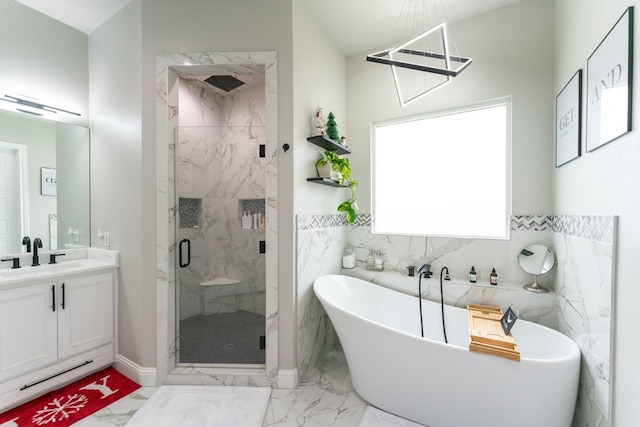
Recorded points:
226,83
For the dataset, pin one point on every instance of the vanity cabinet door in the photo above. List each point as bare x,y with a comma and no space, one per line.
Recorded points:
85,313
28,329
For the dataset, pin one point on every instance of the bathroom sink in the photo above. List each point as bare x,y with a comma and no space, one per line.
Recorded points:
28,272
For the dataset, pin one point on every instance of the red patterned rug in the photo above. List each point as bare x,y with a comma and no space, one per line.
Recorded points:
65,406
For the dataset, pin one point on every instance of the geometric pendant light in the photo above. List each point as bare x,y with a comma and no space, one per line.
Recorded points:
411,56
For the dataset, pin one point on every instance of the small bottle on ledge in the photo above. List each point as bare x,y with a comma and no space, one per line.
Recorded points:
493,277
472,275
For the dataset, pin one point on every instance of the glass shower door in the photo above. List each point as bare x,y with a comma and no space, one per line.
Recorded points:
221,281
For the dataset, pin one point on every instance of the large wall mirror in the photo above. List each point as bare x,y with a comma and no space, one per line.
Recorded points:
44,183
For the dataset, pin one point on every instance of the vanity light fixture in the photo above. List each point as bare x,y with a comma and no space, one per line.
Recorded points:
409,55
33,108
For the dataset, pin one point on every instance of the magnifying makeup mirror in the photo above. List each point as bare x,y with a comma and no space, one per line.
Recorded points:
536,260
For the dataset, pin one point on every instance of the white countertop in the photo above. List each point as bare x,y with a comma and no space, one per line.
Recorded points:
75,261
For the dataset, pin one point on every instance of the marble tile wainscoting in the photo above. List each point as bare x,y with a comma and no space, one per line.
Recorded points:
585,247
574,240
321,240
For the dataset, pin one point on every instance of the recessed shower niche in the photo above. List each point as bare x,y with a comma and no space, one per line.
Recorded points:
252,214
190,211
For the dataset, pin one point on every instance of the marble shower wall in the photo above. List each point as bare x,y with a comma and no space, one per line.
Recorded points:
585,247
219,170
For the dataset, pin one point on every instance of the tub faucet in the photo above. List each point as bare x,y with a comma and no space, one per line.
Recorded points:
26,241
37,243
425,271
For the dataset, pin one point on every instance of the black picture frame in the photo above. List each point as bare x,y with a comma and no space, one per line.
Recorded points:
569,121
610,84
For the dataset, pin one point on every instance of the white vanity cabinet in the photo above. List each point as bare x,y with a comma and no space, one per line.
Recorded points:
53,331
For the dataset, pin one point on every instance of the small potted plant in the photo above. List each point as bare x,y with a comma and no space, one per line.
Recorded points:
326,166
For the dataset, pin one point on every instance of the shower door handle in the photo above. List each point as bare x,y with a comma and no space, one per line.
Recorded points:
181,255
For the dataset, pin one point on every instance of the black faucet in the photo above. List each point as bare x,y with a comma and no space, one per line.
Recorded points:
425,271
26,241
37,243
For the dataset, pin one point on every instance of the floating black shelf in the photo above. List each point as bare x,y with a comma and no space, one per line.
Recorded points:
328,181
328,144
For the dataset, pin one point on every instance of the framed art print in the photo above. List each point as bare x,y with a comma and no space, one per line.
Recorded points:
569,120
609,84
49,182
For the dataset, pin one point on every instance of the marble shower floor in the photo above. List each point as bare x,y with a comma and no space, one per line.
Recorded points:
325,399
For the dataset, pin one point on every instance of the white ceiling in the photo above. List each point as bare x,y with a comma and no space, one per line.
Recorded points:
83,15
357,26
353,25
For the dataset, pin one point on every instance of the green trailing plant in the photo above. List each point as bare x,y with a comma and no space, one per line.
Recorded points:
350,206
342,165
332,128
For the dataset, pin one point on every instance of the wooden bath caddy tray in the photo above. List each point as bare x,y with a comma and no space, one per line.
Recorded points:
486,334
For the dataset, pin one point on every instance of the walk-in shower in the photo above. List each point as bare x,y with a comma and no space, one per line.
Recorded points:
220,221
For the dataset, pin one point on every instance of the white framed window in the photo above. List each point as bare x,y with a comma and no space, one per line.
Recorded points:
444,174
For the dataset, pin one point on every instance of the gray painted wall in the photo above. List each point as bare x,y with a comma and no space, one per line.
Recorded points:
118,201
43,59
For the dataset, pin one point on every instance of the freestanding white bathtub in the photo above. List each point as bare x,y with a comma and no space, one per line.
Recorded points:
446,385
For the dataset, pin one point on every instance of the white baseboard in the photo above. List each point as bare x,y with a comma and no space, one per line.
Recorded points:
288,378
146,377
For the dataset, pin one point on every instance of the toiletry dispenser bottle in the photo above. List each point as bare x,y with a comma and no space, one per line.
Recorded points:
348,258
378,261
472,275
493,278
371,260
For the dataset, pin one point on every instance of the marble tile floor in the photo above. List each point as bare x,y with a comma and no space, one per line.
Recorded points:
325,399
